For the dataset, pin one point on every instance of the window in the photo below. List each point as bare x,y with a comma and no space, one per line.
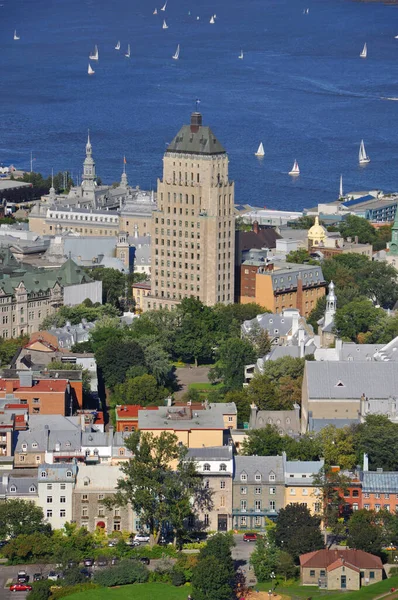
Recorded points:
206,467
243,505
49,499
272,504
243,490
312,573
272,477
100,496
49,486
62,513
371,574
366,495
116,526
243,521
257,506
222,501
243,477
13,488
257,490
69,473
257,521
322,573
355,493
257,477
84,497
62,486
386,496
292,491
62,499
34,445
305,492
24,447
272,490
32,489
222,485
377,496
206,520
101,512
21,458
223,467
49,514
84,511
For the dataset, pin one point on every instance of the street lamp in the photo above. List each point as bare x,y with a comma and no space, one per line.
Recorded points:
272,576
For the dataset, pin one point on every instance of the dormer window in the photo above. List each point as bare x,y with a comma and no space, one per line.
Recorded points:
86,481
67,444
32,489
206,467
43,474
257,477
243,477
34,445
13,488
223,467
24,447
69,473
121,451
272,477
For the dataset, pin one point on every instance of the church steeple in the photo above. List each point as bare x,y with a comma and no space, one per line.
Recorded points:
331,304
124,181
52,195
89,177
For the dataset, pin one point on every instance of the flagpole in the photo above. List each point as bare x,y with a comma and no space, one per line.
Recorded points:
31,161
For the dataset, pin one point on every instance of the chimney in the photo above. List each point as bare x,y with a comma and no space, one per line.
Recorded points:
196,122
339,348
301,335
295,322
255,227
365,462
9,386
299,295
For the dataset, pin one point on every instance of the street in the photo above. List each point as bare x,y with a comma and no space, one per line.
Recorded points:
241,555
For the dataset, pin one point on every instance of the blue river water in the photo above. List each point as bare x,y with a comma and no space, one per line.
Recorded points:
301,89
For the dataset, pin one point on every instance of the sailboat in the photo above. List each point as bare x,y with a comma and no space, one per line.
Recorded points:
16,37
176,56
90,70
155,12
260,150
212,20
341,195
165,26
117,47
364,52
94,56
363,157
241,54
164,6
295,169
127,55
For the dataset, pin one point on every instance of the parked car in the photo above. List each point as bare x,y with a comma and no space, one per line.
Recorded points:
53,576
20,587
250,537
101,562
132,542
86,573
141,537
37,577
22,577
88,562
144,560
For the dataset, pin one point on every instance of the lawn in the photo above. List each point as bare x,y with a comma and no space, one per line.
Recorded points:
204,388
366,593
141,591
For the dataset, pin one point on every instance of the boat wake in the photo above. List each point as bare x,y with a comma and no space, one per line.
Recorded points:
385,98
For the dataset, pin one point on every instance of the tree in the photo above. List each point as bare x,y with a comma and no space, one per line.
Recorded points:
8,348
338,447
142,390
378,282
233,355
378,438
285,366
263,442
332,485
163,496
354,226
355,318
286,566
219,546
28,547
195,336
263,393
59,365
242,402
19,517
259,339
125,572
364,532
289,391
75,314
115,356
211,581
264,558
113,283
297,531
304,222
41,590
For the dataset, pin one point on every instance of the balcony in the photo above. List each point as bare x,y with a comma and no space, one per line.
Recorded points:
264,512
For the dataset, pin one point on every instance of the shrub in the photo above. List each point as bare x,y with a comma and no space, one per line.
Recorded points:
122,574
41,590
61,592
186,563
194,545
177,578
156,577
73,576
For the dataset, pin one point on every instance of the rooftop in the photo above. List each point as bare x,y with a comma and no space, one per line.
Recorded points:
195,139
130,411
325,558
270,468
180,418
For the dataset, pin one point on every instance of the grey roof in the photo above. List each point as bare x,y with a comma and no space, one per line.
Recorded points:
284,279
316,425
96,438
352,351
24,486
68,335
196,140
68,441
211,453
57,472
293,351
286,420
349,380
39,437
302,470
264,465
380,482
163,419
275,324
53,422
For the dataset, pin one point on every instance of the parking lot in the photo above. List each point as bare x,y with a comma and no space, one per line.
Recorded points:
8,573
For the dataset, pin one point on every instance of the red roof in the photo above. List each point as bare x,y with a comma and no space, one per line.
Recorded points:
130,411
16,406
143,286
20,418
340,562
40,385
322,559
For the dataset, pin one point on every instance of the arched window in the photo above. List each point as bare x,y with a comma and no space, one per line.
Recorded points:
223,467
32,489
69,473
206,467
121,451
13,488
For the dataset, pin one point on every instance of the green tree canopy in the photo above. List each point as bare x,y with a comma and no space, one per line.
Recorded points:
356,318
364,532
378,438
142,390
115,357
297,531
233,355
353,226
19,517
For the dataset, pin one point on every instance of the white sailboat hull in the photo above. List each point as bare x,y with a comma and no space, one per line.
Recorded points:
294,173
364,161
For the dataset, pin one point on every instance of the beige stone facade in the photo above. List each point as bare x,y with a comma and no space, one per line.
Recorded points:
53,220
193,230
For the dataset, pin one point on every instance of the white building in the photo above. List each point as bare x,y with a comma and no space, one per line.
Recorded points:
56,483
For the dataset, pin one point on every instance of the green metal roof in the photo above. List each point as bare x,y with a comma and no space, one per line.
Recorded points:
196,139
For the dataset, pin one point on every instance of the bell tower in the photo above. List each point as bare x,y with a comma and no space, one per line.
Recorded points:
89,177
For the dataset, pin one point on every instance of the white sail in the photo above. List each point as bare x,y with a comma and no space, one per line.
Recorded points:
164,6
117,47
165,26
364,52
260,150
127,55
363,157
155,12
16,37
241,54
176,56
94,55
212,20
90,70
295,169
341,187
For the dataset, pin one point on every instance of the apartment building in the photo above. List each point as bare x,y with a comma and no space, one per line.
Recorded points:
55,489
193,229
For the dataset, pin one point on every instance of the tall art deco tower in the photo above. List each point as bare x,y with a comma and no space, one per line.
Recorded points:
193,230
